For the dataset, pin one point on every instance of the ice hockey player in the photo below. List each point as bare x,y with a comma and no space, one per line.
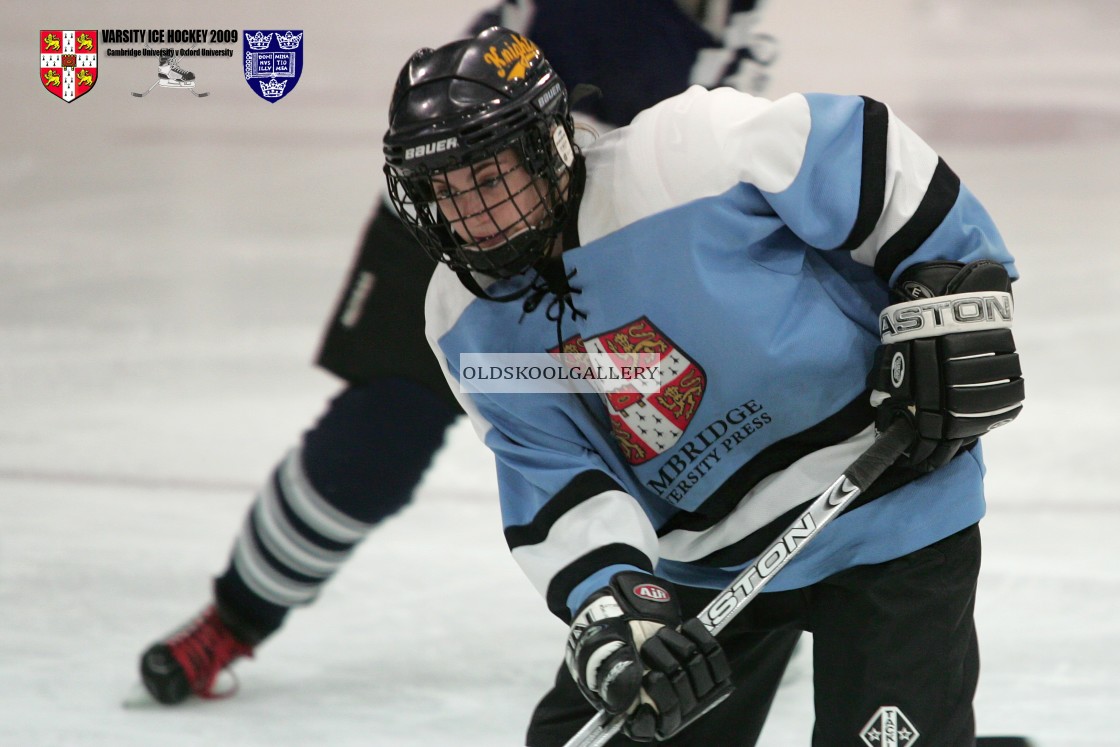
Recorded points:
362,460
808,271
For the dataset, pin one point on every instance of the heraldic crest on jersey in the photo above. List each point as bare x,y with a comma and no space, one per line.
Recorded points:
645,423
68,62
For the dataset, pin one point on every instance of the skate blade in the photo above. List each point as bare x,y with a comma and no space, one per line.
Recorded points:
138,697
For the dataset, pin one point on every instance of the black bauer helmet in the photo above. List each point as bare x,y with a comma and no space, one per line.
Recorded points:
463,105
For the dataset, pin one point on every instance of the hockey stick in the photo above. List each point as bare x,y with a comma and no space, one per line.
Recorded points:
858,476
142,95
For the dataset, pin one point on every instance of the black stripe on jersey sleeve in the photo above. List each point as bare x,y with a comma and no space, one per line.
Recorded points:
583,486
840,426
940,196
574,573
873,177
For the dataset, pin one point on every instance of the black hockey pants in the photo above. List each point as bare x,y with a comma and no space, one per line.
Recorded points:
894,657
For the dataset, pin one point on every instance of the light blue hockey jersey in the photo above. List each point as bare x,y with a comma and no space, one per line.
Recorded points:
750,244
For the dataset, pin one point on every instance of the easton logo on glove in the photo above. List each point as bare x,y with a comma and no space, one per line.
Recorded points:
947,364
652,592
944,315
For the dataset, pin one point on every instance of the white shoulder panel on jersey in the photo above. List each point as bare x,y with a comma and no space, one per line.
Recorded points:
665,157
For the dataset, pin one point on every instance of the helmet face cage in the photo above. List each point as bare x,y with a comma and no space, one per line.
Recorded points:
488,212
478,155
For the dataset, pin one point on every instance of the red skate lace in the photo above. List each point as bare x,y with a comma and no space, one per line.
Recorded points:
204,649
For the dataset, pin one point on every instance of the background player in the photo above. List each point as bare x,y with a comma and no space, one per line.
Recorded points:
362,460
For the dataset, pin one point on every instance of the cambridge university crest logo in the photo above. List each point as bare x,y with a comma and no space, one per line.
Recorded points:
646,424
68,62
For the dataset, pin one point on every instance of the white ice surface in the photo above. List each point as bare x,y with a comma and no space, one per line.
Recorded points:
166,264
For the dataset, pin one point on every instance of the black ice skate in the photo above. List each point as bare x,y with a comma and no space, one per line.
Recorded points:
189,661
172,75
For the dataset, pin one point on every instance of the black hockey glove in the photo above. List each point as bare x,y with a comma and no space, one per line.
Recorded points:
629,652
948,362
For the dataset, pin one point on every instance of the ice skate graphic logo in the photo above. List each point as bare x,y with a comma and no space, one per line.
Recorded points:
889,727
512,59
170,73
273,62
646,423
68,62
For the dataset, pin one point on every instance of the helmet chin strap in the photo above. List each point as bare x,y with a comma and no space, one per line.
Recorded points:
510,237
540,277
468,280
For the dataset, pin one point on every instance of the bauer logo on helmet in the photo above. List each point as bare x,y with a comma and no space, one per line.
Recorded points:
428,149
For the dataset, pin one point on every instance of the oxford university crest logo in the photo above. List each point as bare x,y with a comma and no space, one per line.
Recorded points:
273,61
68,62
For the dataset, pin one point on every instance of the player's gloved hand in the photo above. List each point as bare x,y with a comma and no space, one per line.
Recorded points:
948,362
629,652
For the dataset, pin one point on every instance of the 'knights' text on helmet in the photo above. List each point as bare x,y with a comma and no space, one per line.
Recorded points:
469,103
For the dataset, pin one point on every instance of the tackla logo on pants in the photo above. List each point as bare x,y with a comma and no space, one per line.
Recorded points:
889,727
68,62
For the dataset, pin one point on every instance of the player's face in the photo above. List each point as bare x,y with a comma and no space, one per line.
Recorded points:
490,202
